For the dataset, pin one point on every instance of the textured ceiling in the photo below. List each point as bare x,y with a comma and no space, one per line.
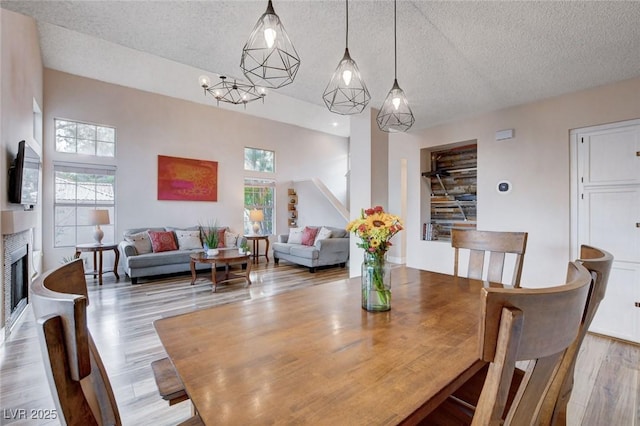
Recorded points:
455,59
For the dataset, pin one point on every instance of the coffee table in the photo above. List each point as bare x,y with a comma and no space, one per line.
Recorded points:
226,258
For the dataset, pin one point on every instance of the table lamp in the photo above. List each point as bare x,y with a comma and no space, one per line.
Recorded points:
97,218
256,216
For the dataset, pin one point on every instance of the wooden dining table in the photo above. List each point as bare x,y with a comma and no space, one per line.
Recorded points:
314,356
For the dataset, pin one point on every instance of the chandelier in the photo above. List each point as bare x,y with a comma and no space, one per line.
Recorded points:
346,92
233,93
268,57
395,114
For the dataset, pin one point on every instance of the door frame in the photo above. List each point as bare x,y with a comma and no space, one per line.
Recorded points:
574,141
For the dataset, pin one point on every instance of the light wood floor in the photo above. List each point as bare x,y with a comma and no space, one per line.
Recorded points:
607,390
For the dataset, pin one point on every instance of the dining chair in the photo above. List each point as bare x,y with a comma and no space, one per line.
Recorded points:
521,324
598,262
79,383
497,244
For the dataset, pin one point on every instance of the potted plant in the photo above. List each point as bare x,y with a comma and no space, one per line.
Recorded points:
210,239
244,248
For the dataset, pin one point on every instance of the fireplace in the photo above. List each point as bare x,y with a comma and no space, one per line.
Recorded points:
19,260
17,276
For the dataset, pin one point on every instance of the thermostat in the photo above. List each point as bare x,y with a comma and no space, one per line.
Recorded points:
504,186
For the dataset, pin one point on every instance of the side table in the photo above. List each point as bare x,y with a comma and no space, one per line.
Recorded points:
256,246
97,250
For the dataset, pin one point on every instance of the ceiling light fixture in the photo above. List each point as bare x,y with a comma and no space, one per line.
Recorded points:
232,93
395,114
346,92
268,57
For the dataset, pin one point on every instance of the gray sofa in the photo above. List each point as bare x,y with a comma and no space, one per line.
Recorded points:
137,265
330,251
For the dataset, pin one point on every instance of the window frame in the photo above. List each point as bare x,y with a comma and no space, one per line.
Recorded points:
82,230
96,141
268,225
273,163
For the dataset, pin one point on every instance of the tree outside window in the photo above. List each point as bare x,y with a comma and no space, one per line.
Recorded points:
259,194
259,160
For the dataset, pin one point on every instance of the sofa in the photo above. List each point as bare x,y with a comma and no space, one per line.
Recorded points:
313,246
147,252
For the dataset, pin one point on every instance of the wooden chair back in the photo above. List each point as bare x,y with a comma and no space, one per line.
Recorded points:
598,262
79,384
526,324
497,244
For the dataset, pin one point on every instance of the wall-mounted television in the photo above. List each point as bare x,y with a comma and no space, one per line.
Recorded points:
24,174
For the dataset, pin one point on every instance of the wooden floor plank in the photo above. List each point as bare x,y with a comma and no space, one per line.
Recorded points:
121,319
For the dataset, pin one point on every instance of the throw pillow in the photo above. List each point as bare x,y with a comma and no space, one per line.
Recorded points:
162,241
141,242
295,236
230,239
221,237
309,236
323,234
188,240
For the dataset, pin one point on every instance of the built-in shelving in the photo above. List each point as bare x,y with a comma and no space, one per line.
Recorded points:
292,210
452,182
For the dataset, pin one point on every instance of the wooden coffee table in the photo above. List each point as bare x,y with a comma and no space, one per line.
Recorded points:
226,258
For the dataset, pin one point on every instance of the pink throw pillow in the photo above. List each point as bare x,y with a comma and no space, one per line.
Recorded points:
162,241
221,237
309,236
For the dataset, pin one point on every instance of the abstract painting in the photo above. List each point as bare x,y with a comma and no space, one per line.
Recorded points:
187,179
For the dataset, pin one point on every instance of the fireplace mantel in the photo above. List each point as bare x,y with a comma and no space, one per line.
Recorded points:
14,221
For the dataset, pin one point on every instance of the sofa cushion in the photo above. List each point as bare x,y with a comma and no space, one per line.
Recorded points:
323,234
338,232
162,241
160,259
307,252
141,242
284,248
188,240
309,236
295,236
230,239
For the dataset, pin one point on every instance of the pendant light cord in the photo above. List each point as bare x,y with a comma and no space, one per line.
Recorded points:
347,35
395,43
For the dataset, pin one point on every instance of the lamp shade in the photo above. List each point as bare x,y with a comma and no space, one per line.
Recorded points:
256,215
99,217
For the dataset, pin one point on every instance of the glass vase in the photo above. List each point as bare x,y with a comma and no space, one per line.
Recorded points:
376,283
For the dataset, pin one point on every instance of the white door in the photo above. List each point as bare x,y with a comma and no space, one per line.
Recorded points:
608,217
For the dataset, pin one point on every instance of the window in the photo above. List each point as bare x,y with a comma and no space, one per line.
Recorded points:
79,189
259,194
84,138
259,160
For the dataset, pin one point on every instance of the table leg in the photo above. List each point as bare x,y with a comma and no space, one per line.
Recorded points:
99,267
256,247
266,250
115,264
214,278
193,271
95,254
247,272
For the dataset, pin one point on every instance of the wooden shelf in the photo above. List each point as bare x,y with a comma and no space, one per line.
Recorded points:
292,208
453,182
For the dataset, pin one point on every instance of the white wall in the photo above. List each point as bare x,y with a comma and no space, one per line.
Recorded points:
314,209
536,162
20,83
149,125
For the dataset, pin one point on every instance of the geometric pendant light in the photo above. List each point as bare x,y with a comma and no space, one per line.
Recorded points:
395,114
346,92
269,58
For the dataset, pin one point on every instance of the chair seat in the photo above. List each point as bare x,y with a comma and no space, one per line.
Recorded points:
169,384
193,421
